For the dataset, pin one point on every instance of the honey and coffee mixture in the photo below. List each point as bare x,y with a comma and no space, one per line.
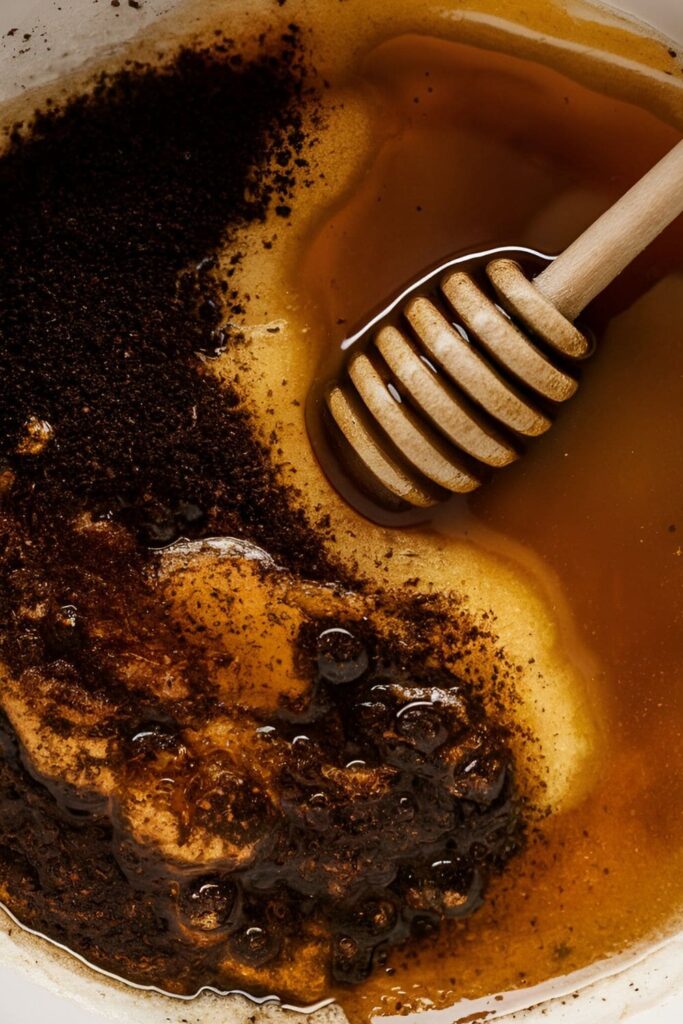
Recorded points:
250,739
369,794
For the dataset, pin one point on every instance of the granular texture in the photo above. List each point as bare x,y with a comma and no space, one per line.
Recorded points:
293,844
112,211
170,828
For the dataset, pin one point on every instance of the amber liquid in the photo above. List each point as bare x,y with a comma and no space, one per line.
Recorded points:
473,149
478,149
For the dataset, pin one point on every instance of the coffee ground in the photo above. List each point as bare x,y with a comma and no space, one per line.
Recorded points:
113,208
114,441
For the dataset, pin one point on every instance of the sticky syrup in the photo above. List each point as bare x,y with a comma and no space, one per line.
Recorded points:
481,149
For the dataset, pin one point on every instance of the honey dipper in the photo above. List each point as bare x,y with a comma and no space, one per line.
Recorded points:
503,355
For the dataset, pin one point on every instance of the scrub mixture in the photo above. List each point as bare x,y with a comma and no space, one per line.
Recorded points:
250,738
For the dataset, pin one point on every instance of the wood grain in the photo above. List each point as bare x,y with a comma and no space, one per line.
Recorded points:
600,254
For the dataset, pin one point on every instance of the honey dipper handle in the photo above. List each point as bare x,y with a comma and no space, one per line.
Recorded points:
600,254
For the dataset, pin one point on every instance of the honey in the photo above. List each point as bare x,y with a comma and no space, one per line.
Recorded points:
551,597
484,150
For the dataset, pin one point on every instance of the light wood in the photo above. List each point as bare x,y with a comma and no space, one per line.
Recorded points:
442,399
421,447
442,405
504,341
600,254
523,300
380,464
471,372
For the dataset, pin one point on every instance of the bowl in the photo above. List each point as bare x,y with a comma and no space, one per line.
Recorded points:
39,982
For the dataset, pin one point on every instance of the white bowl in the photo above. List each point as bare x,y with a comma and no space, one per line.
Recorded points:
35,985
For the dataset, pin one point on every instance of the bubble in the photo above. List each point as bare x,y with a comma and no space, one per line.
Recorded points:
351,962
266,732
482,780
342,657
148,738
209,904
306,761
421,724
406,809
376,916
63,631
255,945
317,811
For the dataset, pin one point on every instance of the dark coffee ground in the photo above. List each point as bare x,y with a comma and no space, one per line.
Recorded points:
394,805
113,209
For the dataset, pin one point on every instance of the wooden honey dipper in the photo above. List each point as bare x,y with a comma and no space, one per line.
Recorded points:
421,434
